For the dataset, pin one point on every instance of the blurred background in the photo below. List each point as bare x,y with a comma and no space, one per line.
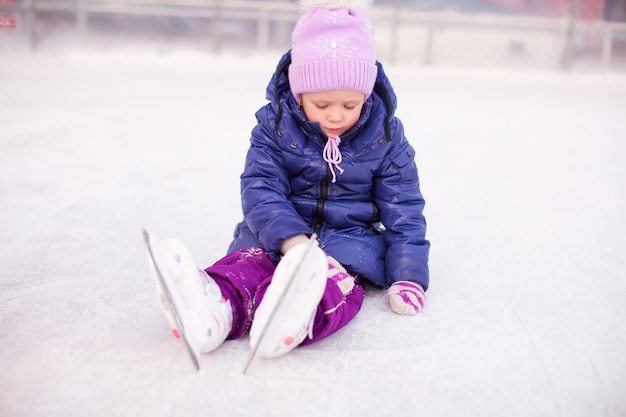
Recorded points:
568,35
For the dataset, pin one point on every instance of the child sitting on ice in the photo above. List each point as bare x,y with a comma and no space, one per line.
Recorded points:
328,165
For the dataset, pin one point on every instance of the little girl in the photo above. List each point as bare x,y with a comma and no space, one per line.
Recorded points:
328,160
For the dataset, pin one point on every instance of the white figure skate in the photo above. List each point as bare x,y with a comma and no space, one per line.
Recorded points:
190,299
285,316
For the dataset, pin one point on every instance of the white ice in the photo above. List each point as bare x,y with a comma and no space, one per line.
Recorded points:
524,176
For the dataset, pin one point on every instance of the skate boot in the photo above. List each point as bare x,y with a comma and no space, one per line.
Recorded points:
285,316
190,299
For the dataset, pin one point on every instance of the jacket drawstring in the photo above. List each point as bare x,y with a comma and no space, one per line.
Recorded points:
332,156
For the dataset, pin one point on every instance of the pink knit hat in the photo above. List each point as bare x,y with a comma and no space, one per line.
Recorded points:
333,48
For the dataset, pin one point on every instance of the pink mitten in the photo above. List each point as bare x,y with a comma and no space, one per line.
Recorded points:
406,297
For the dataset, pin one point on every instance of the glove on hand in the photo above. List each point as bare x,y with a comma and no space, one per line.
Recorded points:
336,272
292,242
406,297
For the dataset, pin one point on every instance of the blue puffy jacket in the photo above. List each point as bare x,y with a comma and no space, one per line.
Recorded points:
370,220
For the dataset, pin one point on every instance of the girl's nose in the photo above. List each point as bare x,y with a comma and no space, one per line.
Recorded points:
334,115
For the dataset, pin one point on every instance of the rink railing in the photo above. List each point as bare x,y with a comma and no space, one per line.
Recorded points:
400,24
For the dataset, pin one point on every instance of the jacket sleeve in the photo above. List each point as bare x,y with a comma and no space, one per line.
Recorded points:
400,201
265,188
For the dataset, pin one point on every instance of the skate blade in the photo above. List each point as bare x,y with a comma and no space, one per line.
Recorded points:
170,302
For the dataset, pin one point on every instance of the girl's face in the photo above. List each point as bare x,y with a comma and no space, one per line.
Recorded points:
336,110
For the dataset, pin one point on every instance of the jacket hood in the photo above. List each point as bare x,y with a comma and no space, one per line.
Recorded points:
278,92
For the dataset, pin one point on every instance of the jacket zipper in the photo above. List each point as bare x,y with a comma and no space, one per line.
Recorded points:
321,202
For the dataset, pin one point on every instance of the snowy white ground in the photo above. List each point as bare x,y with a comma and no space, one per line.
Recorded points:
524,176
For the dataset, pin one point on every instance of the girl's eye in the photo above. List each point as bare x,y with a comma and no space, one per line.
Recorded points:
350,107
321,106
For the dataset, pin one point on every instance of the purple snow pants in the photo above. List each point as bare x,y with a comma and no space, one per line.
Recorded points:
245,274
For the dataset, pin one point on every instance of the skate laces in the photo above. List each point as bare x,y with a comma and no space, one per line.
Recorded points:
332,155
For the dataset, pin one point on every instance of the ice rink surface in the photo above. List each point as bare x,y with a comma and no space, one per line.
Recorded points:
524,175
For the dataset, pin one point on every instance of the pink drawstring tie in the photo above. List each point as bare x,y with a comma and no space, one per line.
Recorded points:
332,155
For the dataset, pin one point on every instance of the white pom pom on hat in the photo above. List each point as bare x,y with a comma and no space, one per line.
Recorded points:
333,48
